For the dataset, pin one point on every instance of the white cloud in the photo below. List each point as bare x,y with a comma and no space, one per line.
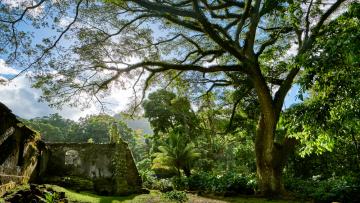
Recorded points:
65,21
293,51
15,3
23,101
5,69
23,4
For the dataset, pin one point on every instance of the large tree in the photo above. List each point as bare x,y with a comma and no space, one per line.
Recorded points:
213,42
166,112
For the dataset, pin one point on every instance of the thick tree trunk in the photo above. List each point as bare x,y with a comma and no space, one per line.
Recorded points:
270,158
268,164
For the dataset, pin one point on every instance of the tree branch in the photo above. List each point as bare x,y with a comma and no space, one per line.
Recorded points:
273,39
307,25
164,9
48,49
308,43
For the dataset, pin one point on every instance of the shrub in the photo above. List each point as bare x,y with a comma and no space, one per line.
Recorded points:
227,184
148,178
339,189
178,196
180,183
164,185
51,197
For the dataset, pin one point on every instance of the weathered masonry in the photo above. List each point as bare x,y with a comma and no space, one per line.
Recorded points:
107,168
20,149
104,168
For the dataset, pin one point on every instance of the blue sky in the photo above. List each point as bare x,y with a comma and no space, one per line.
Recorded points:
23,100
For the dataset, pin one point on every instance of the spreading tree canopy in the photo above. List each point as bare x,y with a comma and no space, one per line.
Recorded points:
90,46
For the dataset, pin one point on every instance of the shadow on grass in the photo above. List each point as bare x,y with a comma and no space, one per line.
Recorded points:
107,199
87,197
155,196
244,199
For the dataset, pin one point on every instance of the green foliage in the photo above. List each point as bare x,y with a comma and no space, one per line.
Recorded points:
114,135
258,51
98,126
73,196
148,176
55,128
176,154
302,122
73,182
335,189
51,197
166,112
329,120
229,183
90,140
177,196
153,183
141,149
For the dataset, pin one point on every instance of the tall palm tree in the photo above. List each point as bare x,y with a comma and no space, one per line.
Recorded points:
176,154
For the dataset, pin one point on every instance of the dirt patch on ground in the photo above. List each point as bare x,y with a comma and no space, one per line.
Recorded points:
199,199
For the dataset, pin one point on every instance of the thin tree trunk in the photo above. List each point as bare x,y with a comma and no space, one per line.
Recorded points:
187,171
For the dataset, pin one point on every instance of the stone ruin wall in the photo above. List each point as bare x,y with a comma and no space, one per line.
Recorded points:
108,168
20,149
105,168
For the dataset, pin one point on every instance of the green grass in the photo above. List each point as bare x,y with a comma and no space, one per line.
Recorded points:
155,197
253,200
83,197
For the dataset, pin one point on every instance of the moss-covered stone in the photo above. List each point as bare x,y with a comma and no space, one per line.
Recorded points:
20,147
110,166
107,168
71,182
103,186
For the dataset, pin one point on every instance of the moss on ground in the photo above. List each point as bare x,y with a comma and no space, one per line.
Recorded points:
156,196
83,197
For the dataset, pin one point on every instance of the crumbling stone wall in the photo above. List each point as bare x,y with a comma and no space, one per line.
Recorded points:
105,168
20,148
108,168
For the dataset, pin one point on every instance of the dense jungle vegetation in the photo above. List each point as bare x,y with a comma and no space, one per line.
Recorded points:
211,77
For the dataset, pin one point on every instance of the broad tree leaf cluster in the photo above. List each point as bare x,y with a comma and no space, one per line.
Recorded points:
329,118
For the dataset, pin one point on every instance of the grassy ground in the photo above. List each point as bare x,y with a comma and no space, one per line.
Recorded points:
83,197
156,197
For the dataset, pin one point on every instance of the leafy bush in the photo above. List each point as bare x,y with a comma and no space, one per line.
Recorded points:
148,178
164,185
227,184
151,182
51,197
178,196
339,189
